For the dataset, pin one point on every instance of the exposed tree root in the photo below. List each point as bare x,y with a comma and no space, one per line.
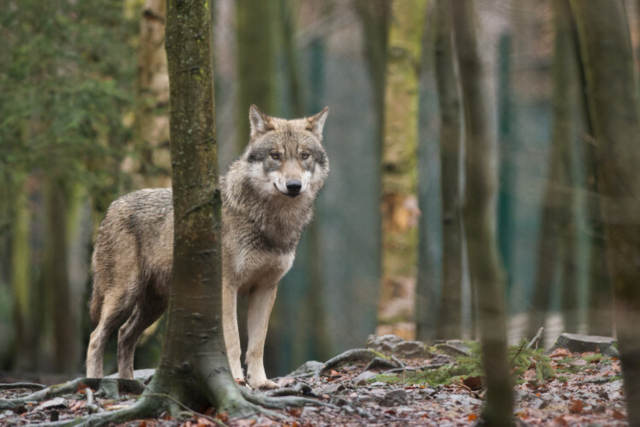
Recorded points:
355,355
146,407
108,387
282,402
300,389
29,386
379,362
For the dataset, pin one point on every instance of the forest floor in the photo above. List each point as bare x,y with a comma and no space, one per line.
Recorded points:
438,386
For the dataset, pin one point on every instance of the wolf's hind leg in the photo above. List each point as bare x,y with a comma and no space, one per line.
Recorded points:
261,301
111,317
146,312
231,333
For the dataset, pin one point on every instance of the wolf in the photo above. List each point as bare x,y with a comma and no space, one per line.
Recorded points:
268,196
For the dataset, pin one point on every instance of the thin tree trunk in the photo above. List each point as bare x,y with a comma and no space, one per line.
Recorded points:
507,157
194,367
256,25
558,238
450,312
375,17
399,205
479,217
614,108
66,355
24,358
600,308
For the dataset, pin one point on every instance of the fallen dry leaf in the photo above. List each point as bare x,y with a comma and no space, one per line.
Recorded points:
576,407
560,352
618,415
474,383
204,422
295,412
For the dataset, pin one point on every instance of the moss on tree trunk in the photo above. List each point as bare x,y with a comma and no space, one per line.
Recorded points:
399,205
152,102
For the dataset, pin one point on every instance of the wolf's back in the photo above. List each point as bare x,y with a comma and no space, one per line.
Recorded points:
135,242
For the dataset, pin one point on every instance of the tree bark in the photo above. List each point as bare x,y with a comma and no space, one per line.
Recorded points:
399,205
194,367
450,312
66,329
256,24
479,217
557,241
600,308
152,116
375,17
24,357
614,108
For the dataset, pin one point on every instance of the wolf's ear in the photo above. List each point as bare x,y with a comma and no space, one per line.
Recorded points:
260,122
316,123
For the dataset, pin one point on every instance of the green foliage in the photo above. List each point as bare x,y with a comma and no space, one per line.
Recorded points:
521,358
524,358
66,82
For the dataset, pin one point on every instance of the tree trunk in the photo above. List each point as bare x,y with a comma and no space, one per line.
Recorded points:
66,330
375,17
194,367
152,116
24,358
613,104
399,205
479,217
256,24
507,141
557,239
450,312
600,308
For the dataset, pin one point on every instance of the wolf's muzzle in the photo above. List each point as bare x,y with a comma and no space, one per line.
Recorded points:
293,187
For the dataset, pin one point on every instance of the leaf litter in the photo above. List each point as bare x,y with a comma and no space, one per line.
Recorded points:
559,389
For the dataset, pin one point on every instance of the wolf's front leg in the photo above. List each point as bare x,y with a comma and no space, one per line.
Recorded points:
231,334
261,301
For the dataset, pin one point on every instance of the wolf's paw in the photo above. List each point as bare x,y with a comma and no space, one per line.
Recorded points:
240,381
264,385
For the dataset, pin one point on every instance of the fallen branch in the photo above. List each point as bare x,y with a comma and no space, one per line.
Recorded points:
91,406
419,368
28,386
535,339
601,380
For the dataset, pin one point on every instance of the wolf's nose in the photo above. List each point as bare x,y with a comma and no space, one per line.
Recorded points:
294,186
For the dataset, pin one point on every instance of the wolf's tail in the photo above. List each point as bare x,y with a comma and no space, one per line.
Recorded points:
96,306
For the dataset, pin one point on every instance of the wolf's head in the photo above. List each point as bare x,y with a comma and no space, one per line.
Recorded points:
285,158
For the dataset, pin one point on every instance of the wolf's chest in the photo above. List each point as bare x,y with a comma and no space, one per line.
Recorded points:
258,268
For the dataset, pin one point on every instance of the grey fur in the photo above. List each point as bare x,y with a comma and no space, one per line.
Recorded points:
262,222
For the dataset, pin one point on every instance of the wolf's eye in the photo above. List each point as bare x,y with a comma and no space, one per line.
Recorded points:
305,156
275,156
